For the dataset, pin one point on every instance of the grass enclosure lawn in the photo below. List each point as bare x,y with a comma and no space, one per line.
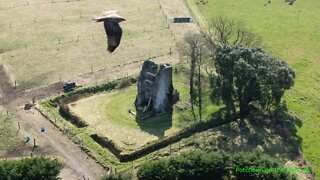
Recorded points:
41,40
107,114
291,33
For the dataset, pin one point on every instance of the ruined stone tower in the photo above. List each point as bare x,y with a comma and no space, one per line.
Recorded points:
155,89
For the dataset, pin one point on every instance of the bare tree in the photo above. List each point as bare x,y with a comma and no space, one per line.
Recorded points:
225,31
193,48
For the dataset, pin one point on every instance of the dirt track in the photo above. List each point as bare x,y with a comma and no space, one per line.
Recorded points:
52,142
78,164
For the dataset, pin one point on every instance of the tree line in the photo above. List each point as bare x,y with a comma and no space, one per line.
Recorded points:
214,165
242,75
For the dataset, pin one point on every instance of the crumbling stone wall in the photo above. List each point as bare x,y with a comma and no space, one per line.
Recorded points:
155,89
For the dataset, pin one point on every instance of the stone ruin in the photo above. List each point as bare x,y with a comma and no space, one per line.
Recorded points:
155,88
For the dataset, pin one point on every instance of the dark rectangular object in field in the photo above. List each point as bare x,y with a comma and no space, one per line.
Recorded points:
182,20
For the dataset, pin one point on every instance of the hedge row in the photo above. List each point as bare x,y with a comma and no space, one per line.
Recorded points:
214,165
80,93
107,143
70,116
161,143
86,91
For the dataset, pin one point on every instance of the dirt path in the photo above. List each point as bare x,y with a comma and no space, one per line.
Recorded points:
78,164
52,142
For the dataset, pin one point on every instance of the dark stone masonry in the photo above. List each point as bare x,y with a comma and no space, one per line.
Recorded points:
155,89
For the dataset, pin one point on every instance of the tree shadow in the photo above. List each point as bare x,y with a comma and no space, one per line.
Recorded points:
276,137
154,124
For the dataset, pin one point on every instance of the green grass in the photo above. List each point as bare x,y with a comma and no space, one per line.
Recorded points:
107,114
124,99
10,140
31,50
291,33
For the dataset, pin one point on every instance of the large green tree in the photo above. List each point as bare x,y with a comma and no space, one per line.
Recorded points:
247,76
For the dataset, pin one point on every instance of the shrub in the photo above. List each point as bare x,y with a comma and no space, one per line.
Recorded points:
191,165
31,168
125,82
156,170
214,165
119,176
257,160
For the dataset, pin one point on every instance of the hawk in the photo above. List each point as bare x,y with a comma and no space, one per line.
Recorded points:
111,21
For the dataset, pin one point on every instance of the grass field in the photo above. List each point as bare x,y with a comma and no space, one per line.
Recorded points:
10,140
291,33
107,114
41,40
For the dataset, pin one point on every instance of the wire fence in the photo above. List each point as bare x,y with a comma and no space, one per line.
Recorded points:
60,41
27,3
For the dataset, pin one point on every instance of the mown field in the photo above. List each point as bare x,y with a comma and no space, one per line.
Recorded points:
291,33
107,114
42,41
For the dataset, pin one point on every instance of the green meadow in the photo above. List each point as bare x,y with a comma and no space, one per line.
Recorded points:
293,34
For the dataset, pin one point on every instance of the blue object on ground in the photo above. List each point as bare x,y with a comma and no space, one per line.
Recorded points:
43,129
28,139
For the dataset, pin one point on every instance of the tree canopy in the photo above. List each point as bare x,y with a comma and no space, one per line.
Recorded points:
247,76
